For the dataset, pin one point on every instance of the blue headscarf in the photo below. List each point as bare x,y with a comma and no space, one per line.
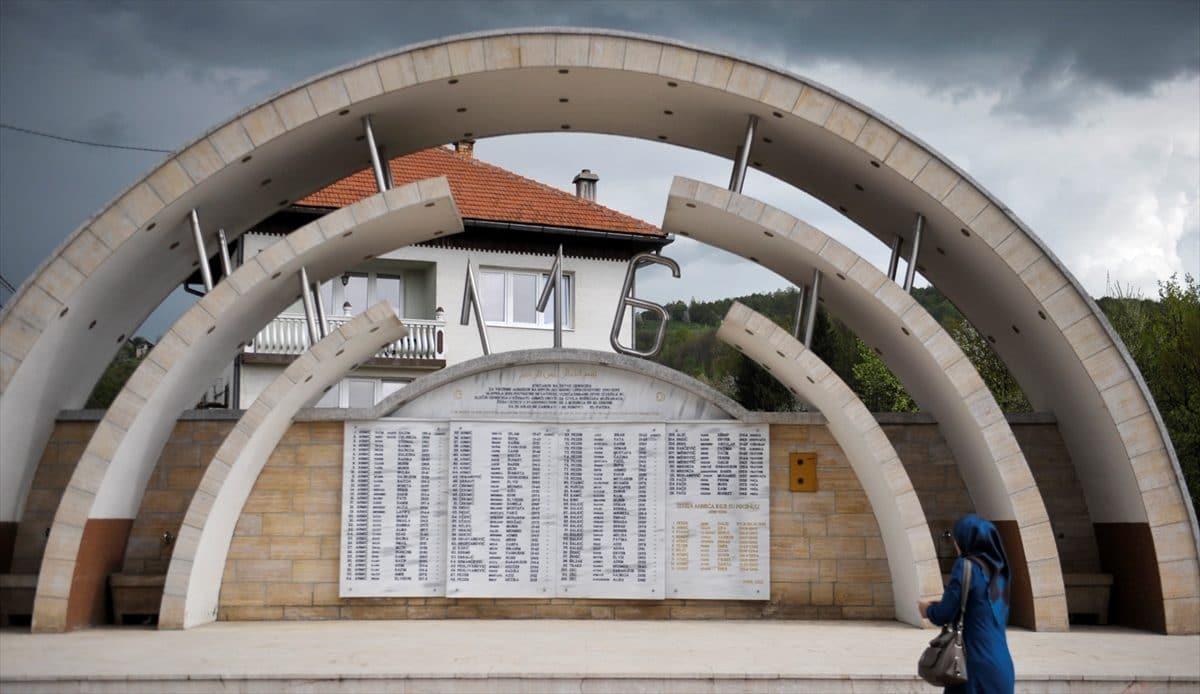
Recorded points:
979,539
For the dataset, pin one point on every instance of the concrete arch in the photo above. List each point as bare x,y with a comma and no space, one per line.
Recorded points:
921,354
193,582
907,539
1051,334
88,535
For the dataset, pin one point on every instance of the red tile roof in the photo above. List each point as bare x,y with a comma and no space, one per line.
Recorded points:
485,191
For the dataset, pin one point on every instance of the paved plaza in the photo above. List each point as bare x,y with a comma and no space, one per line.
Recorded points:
575,656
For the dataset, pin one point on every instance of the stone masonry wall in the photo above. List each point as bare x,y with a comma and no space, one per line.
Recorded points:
169,491
827,558
49,482
944,496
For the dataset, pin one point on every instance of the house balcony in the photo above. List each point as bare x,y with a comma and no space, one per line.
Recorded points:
286,337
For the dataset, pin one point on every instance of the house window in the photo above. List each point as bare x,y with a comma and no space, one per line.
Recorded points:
360,392
509,298
331,398
390,289
354,294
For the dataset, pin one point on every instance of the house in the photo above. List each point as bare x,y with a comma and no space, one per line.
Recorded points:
513,227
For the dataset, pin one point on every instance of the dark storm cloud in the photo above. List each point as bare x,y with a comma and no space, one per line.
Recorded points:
1068,46
158,73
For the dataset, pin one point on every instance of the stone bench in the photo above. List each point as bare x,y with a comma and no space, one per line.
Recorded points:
16,599
1088,595
136,598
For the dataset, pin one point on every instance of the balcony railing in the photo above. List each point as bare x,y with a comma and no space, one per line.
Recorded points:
289,335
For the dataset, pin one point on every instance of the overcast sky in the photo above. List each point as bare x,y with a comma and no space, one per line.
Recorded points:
1084,118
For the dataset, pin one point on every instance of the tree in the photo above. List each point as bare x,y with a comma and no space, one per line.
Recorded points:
119,370
876,386
995,374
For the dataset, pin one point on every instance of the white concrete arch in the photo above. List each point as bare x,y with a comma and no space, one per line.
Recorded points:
112,473
1049,331
907,539
193,583
921,354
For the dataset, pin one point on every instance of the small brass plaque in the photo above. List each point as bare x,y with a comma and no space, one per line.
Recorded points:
802,468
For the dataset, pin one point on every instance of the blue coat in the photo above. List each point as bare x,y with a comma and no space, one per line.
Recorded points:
989,663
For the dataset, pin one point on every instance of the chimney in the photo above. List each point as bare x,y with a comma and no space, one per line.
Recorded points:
465,149
585,185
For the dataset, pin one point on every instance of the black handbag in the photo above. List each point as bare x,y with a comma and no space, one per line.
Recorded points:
944,662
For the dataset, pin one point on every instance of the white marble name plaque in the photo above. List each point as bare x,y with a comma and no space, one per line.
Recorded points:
718,511
503,510
521,509
394,498
611,486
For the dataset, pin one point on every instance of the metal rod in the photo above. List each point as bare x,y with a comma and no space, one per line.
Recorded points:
387,169
376,165
742,158
471,305
309,312
811,319
226,263
894,261
322,322
198,237
911,271
799,320
554,286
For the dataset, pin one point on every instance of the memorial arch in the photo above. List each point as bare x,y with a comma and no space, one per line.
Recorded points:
1043,324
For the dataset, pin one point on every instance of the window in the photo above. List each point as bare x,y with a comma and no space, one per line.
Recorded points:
491,290
509,298
361,392
331,398
354,294
391,290
546,317
387,387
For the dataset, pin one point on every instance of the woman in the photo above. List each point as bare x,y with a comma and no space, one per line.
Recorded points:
989,664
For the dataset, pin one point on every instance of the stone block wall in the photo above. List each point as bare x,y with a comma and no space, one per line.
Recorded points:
944,497
169,491
827,558
54,471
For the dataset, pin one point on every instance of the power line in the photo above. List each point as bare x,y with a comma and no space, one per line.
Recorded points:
72,140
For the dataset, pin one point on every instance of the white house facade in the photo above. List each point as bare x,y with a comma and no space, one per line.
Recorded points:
425,282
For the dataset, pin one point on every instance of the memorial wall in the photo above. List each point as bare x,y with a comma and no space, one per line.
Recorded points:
554,481
827,560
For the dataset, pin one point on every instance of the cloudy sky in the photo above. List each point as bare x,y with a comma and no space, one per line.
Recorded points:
1084,118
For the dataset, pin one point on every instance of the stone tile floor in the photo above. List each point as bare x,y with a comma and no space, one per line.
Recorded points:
551,655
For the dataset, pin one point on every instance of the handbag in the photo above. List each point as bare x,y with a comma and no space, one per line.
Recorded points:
944,662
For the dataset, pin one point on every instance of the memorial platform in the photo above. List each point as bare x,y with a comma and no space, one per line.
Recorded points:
566,656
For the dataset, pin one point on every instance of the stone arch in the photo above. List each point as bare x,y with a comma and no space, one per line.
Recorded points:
194,575
921,354
1049,331
108,482
906,536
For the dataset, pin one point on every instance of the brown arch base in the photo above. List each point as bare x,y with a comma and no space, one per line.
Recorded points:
101,553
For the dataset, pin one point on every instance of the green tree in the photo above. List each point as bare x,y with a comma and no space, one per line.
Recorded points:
876,386
119,370
995,374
